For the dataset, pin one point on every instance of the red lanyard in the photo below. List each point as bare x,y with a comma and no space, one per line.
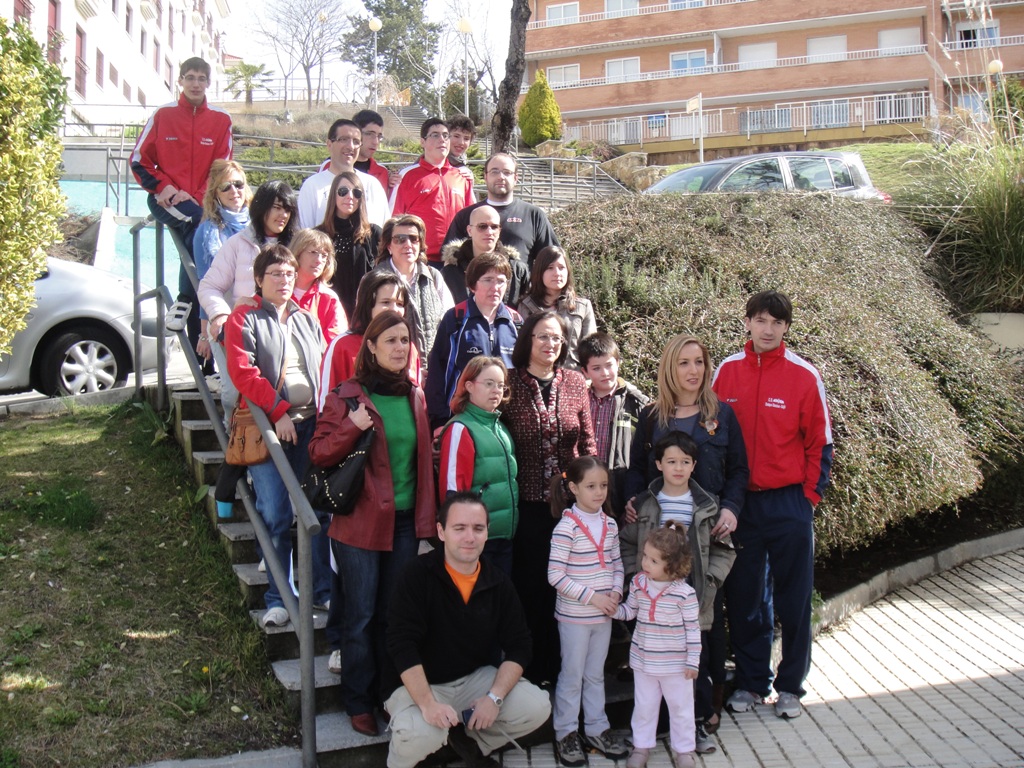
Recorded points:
586,532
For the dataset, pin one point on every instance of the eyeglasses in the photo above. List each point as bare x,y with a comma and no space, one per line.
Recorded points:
239,185
491,384
434,136
500,280
373,135
504,173
193,79
403,239
318,254
289,276
545,339
487,227
345,191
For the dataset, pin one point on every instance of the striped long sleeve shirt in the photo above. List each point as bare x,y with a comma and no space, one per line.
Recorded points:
667,636
582,563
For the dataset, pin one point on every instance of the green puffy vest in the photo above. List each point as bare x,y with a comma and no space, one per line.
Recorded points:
495,470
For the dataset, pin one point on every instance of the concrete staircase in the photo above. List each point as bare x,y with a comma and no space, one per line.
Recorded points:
337,743
541,185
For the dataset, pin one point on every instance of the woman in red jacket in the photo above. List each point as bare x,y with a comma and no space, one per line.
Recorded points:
397,506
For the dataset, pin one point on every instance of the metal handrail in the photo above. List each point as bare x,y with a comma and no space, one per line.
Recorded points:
299,611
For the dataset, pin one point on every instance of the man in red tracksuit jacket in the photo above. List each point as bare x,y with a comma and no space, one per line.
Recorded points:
172,162
432,189
779,401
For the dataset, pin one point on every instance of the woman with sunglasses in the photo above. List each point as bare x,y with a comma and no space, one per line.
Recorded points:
355,239
403,250
225,213
477,453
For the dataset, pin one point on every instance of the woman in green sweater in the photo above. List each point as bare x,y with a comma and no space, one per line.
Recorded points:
477,453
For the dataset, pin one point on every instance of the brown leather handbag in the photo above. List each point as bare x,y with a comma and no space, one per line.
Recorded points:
246,445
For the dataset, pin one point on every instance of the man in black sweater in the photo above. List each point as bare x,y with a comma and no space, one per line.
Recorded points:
459,642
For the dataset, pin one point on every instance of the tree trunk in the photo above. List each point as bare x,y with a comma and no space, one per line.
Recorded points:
504,121
248,97
309,87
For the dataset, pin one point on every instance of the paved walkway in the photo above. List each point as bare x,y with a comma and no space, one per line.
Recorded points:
930,676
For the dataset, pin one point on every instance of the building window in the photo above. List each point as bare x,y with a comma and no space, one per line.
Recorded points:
113,7
564,13
168,74
676,5
622,70
563,76
156,56
142,97
616,8
893,40
53,32
100,68
688,62
112,76
834,113
22,10
977,34
758,55
170,26
128,19
832,48
159,14
81,68
142,41
127,91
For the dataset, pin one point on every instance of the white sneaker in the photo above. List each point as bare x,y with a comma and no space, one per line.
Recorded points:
213,383
275,617
334,663
788,705
262,567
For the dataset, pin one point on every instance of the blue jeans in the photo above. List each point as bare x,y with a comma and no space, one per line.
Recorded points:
367,579
275,508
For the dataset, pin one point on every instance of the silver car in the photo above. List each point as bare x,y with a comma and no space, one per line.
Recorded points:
79,336
839,173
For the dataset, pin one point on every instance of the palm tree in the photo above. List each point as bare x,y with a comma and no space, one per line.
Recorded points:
248,78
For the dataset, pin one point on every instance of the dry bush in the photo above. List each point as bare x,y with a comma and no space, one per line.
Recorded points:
920,408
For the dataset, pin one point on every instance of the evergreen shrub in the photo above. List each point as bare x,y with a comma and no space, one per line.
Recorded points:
921,410
539,117
32,98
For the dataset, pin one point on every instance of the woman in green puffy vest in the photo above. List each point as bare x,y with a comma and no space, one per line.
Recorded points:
477,453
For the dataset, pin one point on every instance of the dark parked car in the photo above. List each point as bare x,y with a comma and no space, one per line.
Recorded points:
840,173
79,336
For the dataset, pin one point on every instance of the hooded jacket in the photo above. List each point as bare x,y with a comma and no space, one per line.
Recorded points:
456,256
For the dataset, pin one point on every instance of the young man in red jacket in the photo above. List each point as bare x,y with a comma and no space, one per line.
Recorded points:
172,162
779,401
432,189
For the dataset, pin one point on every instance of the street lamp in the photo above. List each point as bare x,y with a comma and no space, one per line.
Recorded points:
375,25
465,26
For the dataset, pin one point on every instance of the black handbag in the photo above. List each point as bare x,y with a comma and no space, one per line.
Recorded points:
335,489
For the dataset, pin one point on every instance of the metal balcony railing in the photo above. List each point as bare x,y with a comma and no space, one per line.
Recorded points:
674,5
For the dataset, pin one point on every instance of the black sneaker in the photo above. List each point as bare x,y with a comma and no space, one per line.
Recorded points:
569,751
705,744
468,750
608,745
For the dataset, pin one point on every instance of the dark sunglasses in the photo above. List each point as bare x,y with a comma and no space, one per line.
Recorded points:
356,193
489,227
229,184
401,239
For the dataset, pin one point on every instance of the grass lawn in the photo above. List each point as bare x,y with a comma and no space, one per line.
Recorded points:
123,639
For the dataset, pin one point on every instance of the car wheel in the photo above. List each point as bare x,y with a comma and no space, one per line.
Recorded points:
87,361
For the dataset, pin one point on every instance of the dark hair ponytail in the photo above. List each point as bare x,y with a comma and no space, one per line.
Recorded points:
561,496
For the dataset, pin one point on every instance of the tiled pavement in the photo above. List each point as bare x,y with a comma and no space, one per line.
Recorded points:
930,676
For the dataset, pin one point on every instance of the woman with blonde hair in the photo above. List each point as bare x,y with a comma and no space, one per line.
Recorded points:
686,403
477,453
354,238
315,254
225,213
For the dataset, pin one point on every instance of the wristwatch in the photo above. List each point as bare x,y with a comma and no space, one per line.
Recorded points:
498,700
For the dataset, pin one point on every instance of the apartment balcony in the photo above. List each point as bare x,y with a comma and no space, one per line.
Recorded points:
148,8
87,8
803,117
669,89
970,58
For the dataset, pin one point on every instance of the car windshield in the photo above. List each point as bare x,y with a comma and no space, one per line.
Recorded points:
687,180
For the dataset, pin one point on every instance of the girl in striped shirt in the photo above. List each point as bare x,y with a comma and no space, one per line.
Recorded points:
665,652
585,569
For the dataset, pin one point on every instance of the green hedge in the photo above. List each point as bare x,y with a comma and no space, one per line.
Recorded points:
920,408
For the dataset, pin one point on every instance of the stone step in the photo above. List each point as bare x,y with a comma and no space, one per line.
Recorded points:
238,510
198,435
239,539
328,698
253,583
282,642
206,466
188,404
338,745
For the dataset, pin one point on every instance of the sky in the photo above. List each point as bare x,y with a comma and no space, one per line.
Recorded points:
490,20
